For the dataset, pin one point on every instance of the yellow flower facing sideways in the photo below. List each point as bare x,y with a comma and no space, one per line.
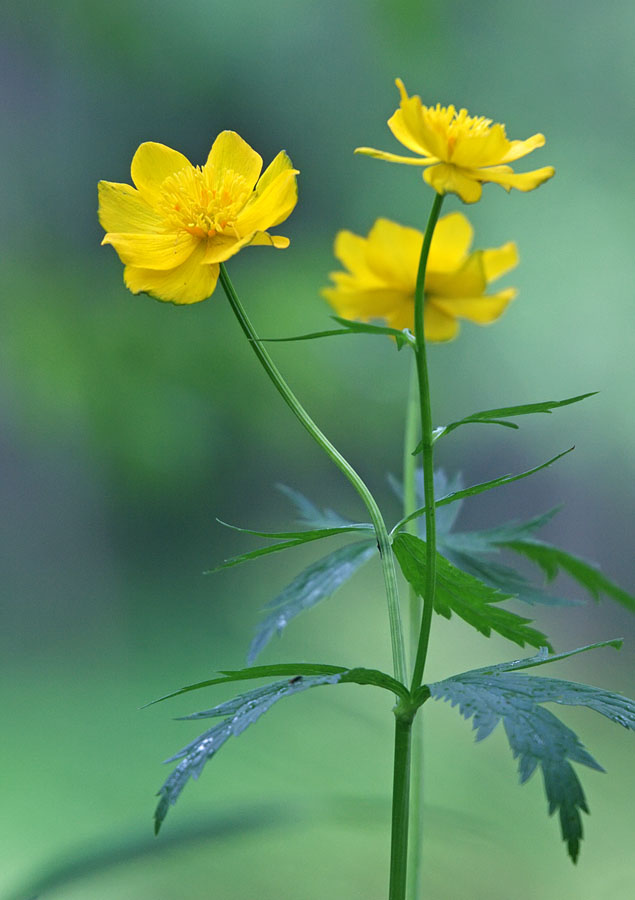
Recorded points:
460,152
180,221
382,274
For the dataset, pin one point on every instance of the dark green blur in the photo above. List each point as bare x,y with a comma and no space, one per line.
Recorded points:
130,425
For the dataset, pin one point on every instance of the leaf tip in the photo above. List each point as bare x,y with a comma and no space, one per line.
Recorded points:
573,849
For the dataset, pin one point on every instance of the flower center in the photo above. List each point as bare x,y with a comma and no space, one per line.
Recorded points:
194,200
456,126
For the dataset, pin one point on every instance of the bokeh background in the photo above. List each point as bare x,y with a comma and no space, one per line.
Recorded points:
128,426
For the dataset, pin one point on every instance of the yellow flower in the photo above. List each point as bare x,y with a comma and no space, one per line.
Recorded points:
382,274
461,151
172,230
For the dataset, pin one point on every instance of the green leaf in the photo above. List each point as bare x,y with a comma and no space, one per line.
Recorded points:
242,711
497,416
543,658
443,485
470,551
292,670
535,735
489,539
377,679
401,337
317,582
468,597
500,577
291,539
303,536
310,514
551,560
229,675
238,714
350,327
479,488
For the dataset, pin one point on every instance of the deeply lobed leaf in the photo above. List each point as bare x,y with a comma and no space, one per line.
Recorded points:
242,711
552,559
238,715
317,582
456,591
535,735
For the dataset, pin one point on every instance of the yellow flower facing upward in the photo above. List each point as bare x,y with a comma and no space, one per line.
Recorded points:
179,222
382,274
460,152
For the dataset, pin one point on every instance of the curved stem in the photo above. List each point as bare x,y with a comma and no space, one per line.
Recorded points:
426,436
383,540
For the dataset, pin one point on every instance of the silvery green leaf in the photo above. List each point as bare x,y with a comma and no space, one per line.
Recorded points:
311,515
317,582
238,715
501,577
242,711
535,735
552,559
447,514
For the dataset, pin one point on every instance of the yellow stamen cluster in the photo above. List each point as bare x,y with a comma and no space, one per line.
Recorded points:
193,200
454,125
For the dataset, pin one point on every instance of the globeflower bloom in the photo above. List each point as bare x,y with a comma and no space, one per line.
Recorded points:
179,222
382,275
460,152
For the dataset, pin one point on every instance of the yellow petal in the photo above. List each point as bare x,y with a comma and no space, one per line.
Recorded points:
152,251
223,246
473,151
394,157
523,181
272,206
400,127
405,122
446,179
437,325
393,251
152,164
522,148
230,151
481,310
468,281
190,282
450,243
350,249
264,239
499,260
396,308
123,209
280,164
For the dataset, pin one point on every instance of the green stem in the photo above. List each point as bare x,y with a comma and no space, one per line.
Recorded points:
411,434
381,532
410,495
426,436
400,812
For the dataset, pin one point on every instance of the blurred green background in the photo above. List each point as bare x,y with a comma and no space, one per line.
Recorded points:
129,425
